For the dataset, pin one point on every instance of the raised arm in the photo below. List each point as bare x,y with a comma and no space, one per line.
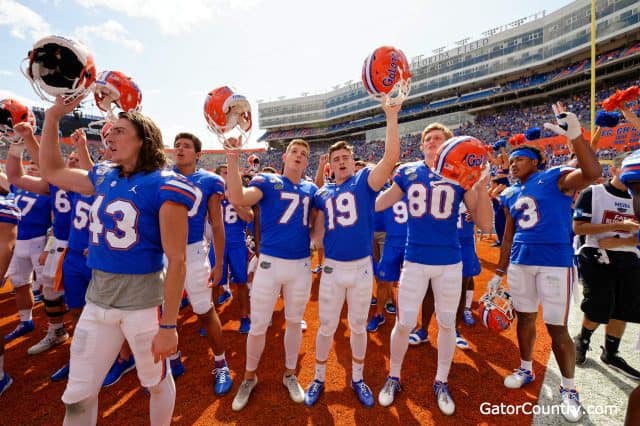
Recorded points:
15,172
238,194
589,168
52,165
79,139
324,158
382,171
389,197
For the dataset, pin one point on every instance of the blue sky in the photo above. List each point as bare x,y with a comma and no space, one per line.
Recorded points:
177,51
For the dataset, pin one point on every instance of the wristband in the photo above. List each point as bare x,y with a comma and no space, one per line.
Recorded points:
168,326
499,271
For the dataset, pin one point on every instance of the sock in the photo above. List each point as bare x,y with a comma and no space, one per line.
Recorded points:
526,365
611,345
292,341
25,315
162,401
219,361
469,299
1,366
585,334
568,383
356,371
399,346
321,371
446,349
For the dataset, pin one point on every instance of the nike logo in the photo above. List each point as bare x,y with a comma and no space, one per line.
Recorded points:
540,182
133,189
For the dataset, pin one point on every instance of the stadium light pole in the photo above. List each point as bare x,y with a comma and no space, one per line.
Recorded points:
593,68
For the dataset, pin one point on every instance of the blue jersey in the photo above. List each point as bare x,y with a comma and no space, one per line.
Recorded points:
542,218
35,212
395,223
61,208
348,217
124,227
433,204
79,232
234,227
284,215
9,212
465,228
206,185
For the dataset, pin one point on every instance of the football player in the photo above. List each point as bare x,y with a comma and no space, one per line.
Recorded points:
284,264
345,220
432,257
537,249
139,213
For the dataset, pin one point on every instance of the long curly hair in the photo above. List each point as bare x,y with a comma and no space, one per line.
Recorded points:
151,155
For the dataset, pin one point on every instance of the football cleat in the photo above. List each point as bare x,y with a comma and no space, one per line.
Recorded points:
61,374
245,325
222,383
363,392
225,297
375,322
51,339
5,383
461,342
418,336
177,367
295,390
119,368
315,389
467,317
244,392
445,402
388,393
571,408
519,378
23,328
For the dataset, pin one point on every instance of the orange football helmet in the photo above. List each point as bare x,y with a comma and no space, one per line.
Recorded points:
496,310
228,115
60,66
116,88
386,75
463,160
13,112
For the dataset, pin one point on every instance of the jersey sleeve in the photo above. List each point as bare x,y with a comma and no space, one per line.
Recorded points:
583,208
177,190
98,170
9,213
217,185
399,178
556,173
261,181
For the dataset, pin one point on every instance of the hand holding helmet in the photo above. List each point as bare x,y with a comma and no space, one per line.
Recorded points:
228,116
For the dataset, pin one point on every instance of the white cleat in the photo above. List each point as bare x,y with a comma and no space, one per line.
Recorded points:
58,337
244,392
295,390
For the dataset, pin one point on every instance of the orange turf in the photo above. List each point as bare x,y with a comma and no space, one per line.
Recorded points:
476,375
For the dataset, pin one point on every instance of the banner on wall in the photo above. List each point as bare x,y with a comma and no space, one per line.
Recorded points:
618,138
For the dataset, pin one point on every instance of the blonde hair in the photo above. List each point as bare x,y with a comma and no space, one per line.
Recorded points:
436,126
300,142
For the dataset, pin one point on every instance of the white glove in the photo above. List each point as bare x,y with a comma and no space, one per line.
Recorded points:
494,283
568,125
16,149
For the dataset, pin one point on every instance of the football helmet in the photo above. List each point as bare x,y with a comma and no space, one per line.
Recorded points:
228,116
254,163
386,75
116,88
496,310
630,169
13,112
462,160
59,66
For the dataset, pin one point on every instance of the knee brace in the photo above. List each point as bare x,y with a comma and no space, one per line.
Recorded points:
51,294
54,307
